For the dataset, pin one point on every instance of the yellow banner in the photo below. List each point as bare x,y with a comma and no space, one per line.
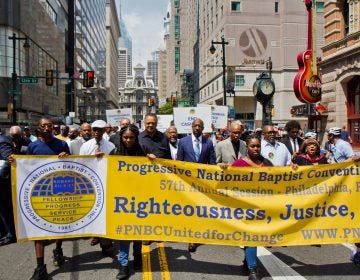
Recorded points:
187,202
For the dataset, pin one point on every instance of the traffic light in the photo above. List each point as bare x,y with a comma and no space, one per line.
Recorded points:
173,100
151,101
49,77
88,78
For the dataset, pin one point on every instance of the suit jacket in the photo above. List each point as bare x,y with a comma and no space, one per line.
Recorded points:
115,138
225,152
186,152
287,143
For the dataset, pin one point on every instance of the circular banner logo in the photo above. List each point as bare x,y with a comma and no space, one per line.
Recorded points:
61,196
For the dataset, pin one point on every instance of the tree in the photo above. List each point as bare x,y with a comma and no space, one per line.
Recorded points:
167,109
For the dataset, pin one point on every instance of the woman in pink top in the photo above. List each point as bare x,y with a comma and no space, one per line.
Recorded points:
253,159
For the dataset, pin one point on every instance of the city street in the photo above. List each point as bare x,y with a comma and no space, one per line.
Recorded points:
172,261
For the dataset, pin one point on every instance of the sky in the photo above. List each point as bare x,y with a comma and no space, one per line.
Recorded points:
144,22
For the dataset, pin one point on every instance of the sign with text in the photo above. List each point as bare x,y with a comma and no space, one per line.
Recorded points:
219,115
134,198
164,121
28,80
114,116
183,118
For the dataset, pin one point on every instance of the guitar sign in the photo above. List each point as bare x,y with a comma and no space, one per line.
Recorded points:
307,84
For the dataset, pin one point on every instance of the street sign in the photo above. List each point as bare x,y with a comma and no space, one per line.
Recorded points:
13,91
183,102
28,80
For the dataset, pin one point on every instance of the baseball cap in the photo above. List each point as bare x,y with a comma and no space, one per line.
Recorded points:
98,124
334,130
310,135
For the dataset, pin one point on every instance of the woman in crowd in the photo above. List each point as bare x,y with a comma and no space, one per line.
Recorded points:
129,146
253,159
309,154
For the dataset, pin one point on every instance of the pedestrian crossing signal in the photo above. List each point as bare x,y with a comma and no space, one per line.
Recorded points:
88,78
49,77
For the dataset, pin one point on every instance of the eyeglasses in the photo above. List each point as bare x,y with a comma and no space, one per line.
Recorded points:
271,132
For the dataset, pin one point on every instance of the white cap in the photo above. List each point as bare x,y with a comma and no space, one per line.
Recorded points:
98,124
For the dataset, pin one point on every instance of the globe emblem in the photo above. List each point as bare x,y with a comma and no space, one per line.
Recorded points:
63,197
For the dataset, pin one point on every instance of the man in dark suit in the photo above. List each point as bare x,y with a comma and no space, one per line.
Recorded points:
293,141
115,138
196,148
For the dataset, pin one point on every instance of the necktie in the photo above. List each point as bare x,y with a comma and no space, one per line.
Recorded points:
97,149
197,149
295,148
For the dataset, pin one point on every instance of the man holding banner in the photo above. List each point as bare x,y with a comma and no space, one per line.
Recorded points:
195,148
47,144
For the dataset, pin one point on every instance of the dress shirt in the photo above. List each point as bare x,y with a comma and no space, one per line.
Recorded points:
173,149
90,147
278,154
294,144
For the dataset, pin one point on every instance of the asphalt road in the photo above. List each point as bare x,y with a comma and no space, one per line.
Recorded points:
167,261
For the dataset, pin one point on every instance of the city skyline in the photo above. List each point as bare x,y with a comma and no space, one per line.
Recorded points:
144,21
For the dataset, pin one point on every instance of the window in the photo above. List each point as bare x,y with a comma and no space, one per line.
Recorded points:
276,7
177,27
177,59
177,3
235,6
319,6
239,80
346,17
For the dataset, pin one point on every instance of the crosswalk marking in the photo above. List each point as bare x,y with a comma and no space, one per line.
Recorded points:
277,268
146,269
164,268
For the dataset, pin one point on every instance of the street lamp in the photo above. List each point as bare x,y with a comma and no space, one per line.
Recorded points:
14,74
212,51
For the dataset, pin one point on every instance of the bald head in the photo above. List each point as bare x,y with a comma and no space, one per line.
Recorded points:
236,129
124,122
85,131
15,130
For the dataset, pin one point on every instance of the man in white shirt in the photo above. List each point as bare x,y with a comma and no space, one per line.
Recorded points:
98,146
85,135
273,150
107,132
172,136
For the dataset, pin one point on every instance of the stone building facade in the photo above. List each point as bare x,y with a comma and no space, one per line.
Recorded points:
340,67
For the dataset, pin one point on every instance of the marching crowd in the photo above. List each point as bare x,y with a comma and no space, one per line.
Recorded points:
231,146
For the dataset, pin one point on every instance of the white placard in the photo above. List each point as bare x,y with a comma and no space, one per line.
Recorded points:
219,115
164,122
183,118
114,116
